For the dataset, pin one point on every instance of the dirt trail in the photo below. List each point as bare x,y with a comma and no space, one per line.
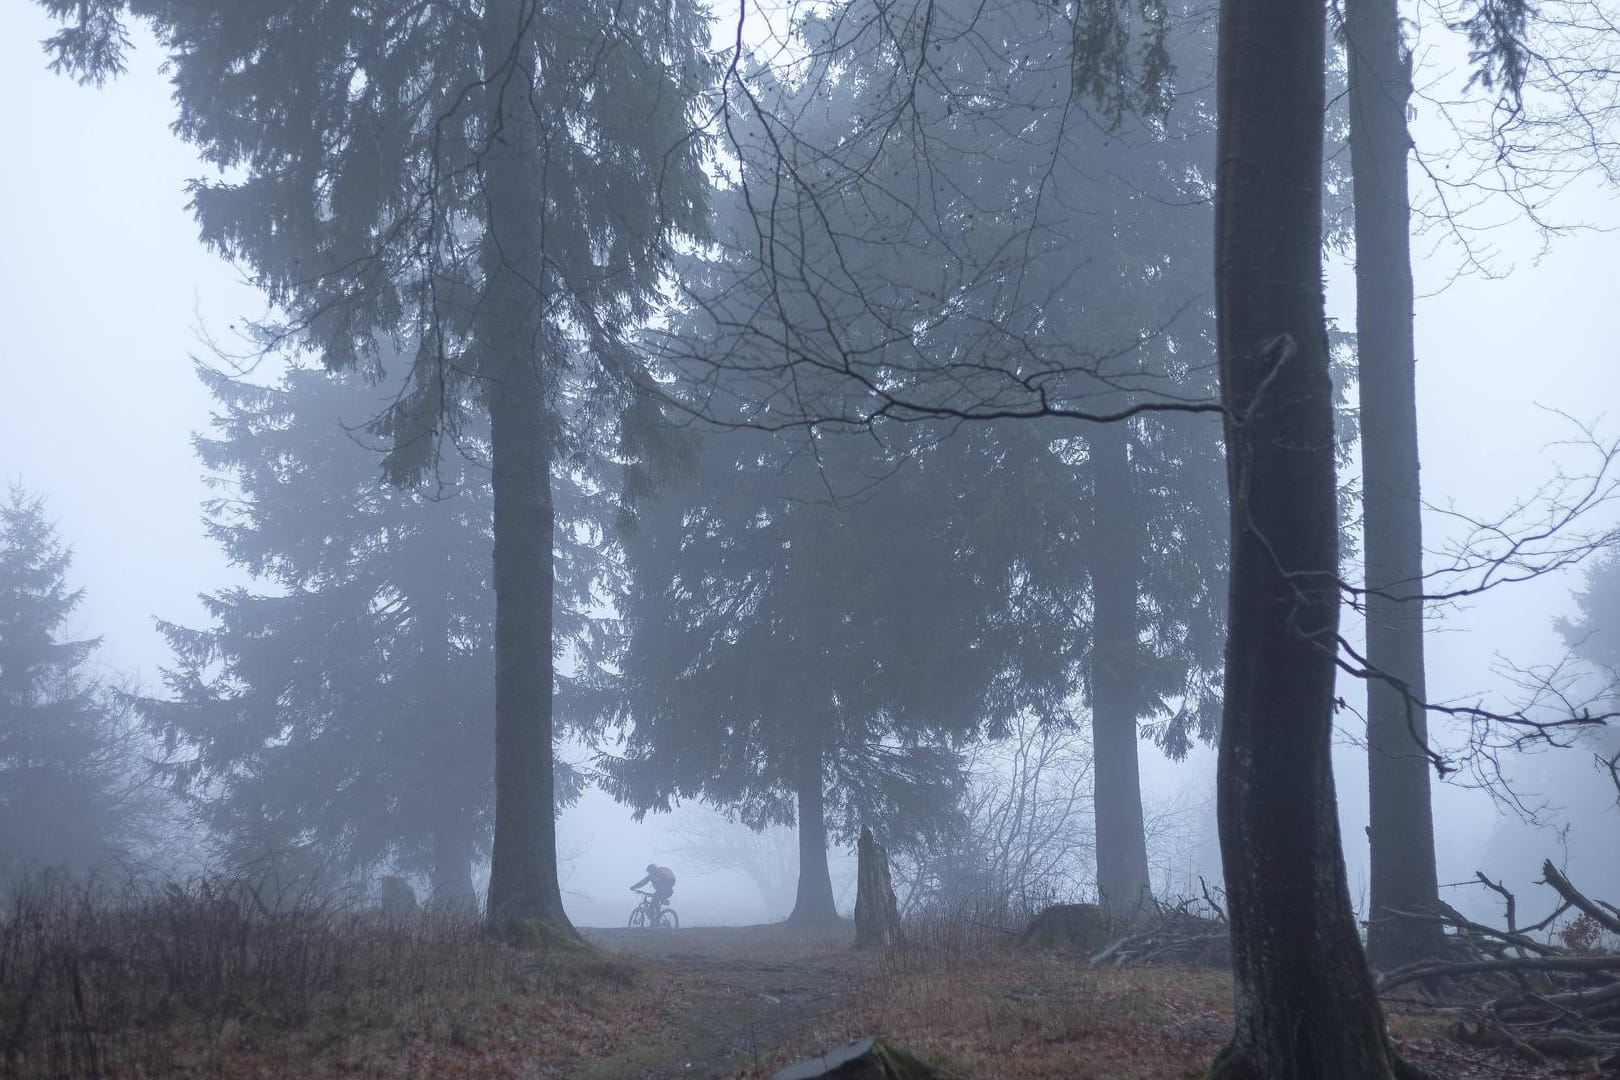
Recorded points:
739,996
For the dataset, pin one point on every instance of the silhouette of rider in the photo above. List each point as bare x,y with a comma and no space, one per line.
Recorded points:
662,879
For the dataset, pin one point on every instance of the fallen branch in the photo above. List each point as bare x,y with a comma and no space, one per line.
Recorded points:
1507,897
1449,969
1172,934
1565,1002
1476,930
1573,895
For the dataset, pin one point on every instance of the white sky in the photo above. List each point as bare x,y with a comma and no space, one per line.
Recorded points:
105,289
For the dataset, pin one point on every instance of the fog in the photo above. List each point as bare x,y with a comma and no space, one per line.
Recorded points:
108,296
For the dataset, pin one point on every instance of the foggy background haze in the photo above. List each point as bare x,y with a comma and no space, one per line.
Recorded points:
107,296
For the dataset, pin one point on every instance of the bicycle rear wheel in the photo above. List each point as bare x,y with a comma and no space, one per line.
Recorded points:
668,920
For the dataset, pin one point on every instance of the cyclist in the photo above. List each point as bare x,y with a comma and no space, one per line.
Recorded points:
662,879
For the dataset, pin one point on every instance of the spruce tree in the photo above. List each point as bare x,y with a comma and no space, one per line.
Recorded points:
490,188
1400,831
802,648
340,713
926,223
70,780
1594,634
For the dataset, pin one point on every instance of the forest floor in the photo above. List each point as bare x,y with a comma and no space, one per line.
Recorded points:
192,984
747,1001
743,1002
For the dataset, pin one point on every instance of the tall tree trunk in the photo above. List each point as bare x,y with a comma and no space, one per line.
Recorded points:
511,336
814,905
1402,822
445,775
452,864
1122,874
1304,1003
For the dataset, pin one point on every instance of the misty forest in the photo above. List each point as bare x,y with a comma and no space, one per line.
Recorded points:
926,493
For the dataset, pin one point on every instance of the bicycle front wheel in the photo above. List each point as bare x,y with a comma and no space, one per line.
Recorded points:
638,918
668,920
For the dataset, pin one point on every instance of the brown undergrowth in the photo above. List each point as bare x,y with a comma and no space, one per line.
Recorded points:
214,979
970,1000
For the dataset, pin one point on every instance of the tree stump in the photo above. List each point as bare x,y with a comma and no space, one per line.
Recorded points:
869,1059
877,918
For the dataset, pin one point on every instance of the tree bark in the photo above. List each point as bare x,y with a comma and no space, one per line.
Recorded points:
510,333
814,905
453,887
1401,829
445,772
877,919
1122,873
1304,1002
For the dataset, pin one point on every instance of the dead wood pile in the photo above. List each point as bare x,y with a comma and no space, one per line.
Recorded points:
1539,995
1190,932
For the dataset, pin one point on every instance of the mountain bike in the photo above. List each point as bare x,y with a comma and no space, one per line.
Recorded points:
653,915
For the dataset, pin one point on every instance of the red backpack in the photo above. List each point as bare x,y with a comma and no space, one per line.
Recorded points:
664,877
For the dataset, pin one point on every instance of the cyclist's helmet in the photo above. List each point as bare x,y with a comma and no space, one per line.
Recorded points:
651,867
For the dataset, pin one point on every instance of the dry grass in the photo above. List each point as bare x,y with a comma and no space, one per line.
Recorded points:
211,980
1030,1016
961,994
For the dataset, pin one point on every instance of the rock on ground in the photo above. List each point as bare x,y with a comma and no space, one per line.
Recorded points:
1082,927
869,1059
